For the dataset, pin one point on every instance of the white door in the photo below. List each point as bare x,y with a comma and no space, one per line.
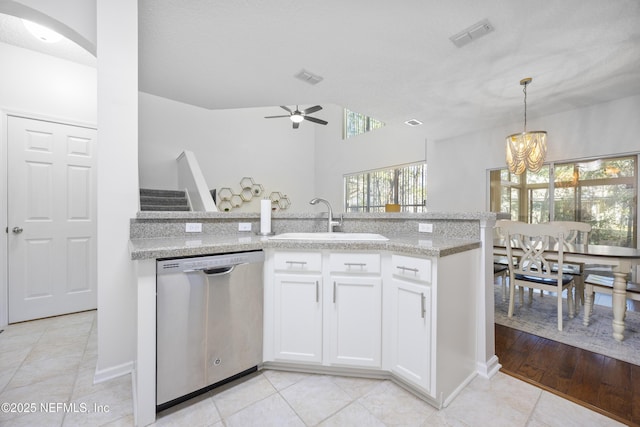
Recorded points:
51,218
298,317
411,332
355,315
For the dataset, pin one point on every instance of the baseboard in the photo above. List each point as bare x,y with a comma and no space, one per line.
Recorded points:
458,389
103,375
134,393
490,368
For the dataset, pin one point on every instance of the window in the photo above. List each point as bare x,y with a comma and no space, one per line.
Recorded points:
601,192
356,123
371,191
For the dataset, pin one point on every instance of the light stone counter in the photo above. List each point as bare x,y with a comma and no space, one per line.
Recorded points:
164,215
204,244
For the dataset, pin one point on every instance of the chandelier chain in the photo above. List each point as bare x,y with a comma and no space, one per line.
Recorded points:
524,89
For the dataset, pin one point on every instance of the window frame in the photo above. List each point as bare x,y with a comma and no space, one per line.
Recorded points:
522,190
365,199
363,123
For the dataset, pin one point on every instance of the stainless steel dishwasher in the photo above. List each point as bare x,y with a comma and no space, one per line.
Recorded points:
209,323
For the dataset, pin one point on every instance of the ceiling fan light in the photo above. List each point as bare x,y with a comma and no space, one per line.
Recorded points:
297,118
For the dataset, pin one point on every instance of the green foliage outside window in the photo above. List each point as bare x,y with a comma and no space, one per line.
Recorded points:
371,191
601,192
356,124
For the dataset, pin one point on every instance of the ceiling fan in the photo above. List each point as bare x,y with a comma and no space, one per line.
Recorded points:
298,116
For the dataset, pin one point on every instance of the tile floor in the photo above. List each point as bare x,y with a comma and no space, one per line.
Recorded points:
46,379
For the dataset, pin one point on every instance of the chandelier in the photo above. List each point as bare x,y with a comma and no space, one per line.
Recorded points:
526,150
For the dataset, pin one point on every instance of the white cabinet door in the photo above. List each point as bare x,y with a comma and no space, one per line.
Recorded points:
354,311
298,317
411,332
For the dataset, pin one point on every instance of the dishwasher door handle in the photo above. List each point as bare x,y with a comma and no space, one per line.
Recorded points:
220,271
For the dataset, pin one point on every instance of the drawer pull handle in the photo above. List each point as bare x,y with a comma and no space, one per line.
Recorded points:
404,269
300,263
423,309
362,265
317,291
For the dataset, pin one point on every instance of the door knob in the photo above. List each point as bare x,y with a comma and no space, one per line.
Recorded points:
17,230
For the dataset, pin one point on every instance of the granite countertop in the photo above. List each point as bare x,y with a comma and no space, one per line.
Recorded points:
168,215
410,244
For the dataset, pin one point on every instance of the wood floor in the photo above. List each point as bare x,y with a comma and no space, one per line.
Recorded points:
606,385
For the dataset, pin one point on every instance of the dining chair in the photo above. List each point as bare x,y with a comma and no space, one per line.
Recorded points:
540,248
604,284
501,261
501,270
577,233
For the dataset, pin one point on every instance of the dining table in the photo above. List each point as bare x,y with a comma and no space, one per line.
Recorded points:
622,261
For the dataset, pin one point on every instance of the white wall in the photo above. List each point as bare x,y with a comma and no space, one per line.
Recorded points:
43,85
229,145
457,167
118,193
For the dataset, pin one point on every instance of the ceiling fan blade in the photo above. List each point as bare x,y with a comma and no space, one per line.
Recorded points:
314,120
274,117
286,108
312,109
296,125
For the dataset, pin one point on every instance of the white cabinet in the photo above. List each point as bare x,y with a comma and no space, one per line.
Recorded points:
410,316
413,317
296,314
324,308
432,322
354,310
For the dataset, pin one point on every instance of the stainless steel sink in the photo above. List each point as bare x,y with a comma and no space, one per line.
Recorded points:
329,236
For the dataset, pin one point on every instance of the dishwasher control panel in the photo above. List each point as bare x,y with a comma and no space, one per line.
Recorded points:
207,262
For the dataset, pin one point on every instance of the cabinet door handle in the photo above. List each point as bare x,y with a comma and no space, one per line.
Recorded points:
334,292
404,269
317,291
423,309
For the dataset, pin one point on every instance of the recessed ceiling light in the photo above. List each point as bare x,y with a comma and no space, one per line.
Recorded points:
413,122
42,33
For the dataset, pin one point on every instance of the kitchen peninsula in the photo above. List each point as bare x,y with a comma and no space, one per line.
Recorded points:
445,273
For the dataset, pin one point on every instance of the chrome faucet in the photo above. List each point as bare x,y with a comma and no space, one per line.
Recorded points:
331,222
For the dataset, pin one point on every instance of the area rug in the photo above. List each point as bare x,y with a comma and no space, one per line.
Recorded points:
539,318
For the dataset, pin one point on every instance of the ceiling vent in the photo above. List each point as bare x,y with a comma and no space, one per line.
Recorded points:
472,33
413,122
308,77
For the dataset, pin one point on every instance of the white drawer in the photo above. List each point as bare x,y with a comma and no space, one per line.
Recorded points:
354,263
297,261
411,268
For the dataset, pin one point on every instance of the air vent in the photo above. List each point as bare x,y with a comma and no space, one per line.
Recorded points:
308,77
413,122
472,33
